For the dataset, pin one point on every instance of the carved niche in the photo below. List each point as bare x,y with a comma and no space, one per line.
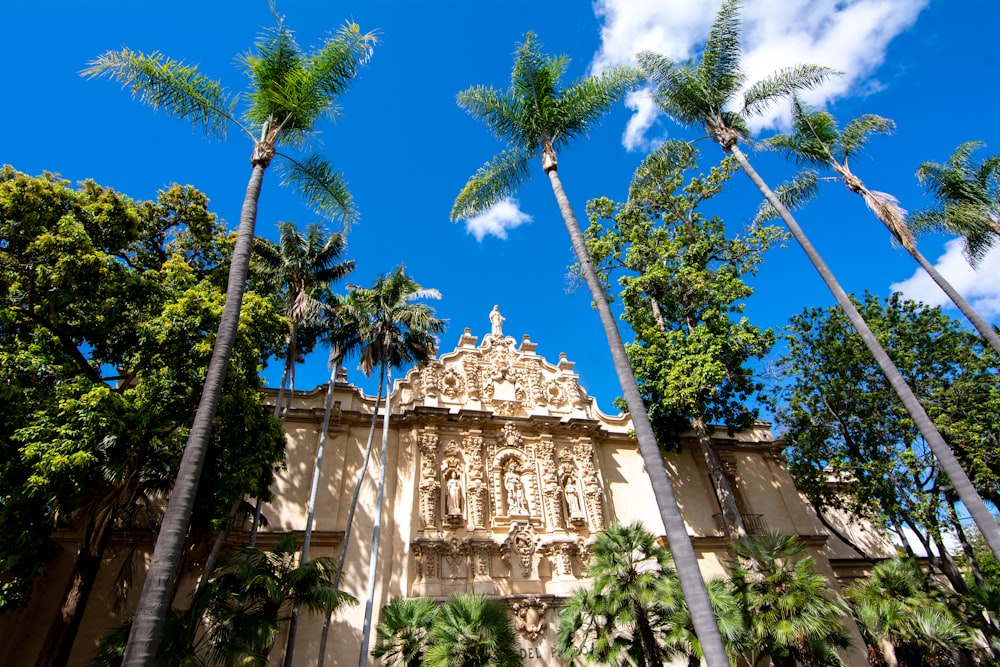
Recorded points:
453,483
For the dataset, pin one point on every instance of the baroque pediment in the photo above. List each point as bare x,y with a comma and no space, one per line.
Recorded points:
497,375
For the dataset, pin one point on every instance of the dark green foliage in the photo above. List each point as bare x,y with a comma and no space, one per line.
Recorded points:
792,615
469,630
683,287
107,310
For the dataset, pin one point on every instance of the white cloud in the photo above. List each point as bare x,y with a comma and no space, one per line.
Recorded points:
847,35
497,220
646,112
980,286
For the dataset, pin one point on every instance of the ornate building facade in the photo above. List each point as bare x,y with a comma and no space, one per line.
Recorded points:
501,472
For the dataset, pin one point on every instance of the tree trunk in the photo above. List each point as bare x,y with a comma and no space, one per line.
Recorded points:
154,601
293,623
649,650
377,530
350,517
720,482
62,633
692,583
988,333
946,458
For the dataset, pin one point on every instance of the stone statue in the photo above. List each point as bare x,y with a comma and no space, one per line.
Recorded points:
516,503
572,499
453,500
496,319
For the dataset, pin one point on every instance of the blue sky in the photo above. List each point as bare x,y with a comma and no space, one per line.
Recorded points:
406,148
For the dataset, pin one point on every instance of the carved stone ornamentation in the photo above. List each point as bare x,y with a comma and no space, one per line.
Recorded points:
451,384
520,547
560,555
584,454
529,617
545,453
476,488
430,487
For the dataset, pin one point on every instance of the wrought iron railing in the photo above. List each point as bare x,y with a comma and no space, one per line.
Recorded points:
754,523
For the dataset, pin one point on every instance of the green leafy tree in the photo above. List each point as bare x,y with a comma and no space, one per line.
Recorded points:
289,92
842,423
712,93
107,305
792,615
683,285
535,118
473,631
403,631
968,199
817,141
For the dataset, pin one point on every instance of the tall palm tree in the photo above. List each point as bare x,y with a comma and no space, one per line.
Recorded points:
535,118
473,631
395,331
289,92
341,330
403,631
792,616
299,271
968,197
816,140
705,93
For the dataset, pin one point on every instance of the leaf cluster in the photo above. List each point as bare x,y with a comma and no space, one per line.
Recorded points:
107,315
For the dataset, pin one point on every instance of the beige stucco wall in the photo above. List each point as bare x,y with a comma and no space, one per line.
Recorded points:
473,411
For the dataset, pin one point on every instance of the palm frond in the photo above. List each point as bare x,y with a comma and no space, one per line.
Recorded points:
323,189
588,100
499,111
792,194
761,95
856,133
494,181
719,69
169,85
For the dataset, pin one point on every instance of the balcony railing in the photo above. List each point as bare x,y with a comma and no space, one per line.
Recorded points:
754,523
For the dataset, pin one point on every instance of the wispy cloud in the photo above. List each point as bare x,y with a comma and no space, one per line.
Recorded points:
850,36
496,221
980,286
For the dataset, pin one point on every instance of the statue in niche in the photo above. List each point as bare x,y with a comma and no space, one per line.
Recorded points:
453,499
572,495
516,502
497,320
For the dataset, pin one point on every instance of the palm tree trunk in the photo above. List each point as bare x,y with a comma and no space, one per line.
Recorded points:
723,489
649,651
293,623
946,458
692,583
377,530
988,333
154,601
350,518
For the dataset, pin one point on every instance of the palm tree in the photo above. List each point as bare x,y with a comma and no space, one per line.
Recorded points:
817,141
289,92
792,616
968,198
899,606
634,610
536,117
705,93
473,631
403,631
395,331
253,594
300,270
